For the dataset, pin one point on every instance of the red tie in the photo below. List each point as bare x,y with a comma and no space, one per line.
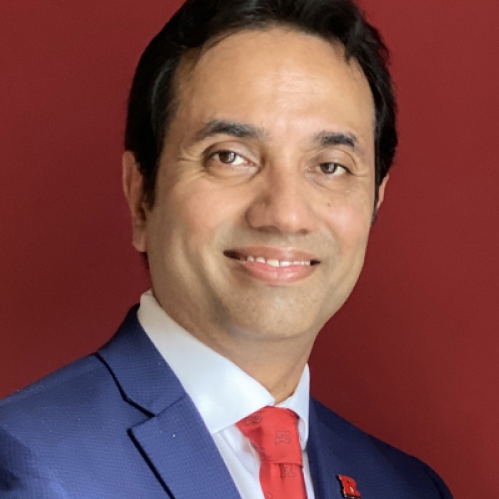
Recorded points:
274,433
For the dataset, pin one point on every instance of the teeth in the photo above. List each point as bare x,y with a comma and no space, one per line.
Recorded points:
277,263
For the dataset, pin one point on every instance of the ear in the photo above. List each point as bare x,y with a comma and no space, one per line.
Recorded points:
381,191
381,197
133,189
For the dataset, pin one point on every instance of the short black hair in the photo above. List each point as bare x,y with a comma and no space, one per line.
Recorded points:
152,101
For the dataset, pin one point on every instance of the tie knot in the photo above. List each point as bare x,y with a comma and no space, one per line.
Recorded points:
274,433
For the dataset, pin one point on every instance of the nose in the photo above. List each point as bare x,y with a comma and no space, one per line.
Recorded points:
282,203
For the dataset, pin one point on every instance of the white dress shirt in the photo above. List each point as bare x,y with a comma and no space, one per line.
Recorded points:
223,394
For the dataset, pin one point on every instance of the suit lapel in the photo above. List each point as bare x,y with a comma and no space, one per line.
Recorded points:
322,459
173,439
336,447
333,449
183,454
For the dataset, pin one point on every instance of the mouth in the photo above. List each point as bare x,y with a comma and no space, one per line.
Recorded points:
274,266
272,262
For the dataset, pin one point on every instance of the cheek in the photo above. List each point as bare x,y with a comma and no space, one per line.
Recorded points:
199,210
348,221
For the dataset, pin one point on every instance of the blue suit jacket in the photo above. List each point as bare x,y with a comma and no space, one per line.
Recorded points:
118,424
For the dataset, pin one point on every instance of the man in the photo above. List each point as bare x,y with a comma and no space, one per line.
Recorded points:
259,138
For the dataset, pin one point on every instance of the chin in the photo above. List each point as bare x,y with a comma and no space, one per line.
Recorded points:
277,327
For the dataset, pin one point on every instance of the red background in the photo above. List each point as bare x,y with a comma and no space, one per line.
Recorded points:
412,356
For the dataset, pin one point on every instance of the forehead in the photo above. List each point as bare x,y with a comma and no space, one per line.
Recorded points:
280,79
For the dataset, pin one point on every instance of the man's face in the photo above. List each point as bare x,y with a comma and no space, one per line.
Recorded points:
265,190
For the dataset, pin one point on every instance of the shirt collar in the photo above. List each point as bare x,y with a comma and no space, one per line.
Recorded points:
221,391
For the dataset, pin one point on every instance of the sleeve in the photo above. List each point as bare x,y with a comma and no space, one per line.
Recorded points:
21,474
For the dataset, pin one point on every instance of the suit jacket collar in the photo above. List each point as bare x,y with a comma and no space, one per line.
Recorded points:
144,378
174,439
336,447
325,450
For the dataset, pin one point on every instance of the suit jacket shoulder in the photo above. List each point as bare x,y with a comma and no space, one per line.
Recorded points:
66,436
379,469
113,424
36,422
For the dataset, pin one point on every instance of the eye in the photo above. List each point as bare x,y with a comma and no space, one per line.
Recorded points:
229,158
333,169
225,163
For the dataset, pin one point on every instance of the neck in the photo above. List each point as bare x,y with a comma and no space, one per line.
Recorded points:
278,370
274,359
276,364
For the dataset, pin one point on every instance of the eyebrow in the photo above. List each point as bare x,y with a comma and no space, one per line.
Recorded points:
328,139
241,130
232,128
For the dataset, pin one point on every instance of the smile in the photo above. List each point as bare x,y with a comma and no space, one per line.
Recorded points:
274,266
276,263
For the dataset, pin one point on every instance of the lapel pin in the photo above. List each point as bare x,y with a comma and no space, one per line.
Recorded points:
349,487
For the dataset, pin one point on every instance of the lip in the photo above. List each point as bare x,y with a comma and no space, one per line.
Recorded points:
274,276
